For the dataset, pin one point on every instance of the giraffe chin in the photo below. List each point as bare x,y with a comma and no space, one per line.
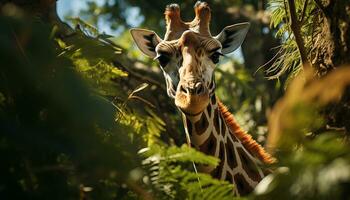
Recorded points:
192,104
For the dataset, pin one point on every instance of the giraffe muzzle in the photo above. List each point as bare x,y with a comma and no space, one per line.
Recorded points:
192,97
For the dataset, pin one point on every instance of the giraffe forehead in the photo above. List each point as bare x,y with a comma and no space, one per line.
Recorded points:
197,41
192,40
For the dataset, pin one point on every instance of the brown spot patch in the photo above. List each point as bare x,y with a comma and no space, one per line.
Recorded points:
209,146
213,99
218,170
229,177
209,110
216,121
201,125
242,185
223,127
248,165
189,126
231,156
222,151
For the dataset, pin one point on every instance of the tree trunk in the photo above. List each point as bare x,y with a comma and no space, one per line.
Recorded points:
331,50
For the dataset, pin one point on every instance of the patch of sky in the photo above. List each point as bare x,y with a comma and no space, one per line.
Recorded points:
134,17
72,9
237,55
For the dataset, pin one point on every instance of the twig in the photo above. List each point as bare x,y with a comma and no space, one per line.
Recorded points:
143,100
268,62
304,10
295,26
139,76
319,4
20,47
332,128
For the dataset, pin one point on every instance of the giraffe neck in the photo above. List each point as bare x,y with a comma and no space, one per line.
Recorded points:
209,133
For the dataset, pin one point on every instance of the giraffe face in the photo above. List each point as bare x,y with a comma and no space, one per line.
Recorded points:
188,65
188,54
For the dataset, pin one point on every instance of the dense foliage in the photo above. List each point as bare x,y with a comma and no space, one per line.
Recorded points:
71,128
83,115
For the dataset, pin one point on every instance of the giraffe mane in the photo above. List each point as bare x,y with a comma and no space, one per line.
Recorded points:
246,139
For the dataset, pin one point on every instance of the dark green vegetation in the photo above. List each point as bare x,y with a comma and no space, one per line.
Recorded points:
84,115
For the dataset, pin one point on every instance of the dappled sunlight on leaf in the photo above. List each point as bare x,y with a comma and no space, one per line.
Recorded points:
169,176
295,114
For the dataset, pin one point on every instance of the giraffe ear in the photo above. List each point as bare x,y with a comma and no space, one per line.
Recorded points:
231,37
146,40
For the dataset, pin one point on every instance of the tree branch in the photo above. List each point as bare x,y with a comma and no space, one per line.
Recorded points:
319,4
295,26
138,76
304,10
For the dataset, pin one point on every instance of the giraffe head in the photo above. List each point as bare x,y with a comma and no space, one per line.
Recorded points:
188,54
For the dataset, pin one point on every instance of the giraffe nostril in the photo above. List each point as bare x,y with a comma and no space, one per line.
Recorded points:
199,89
196,89
182,89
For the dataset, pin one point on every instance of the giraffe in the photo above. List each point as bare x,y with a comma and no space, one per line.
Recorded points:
187,56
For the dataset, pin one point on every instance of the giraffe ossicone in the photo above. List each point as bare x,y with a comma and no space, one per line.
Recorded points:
188,55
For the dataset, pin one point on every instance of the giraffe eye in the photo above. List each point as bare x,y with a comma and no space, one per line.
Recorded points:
215,57
163,59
